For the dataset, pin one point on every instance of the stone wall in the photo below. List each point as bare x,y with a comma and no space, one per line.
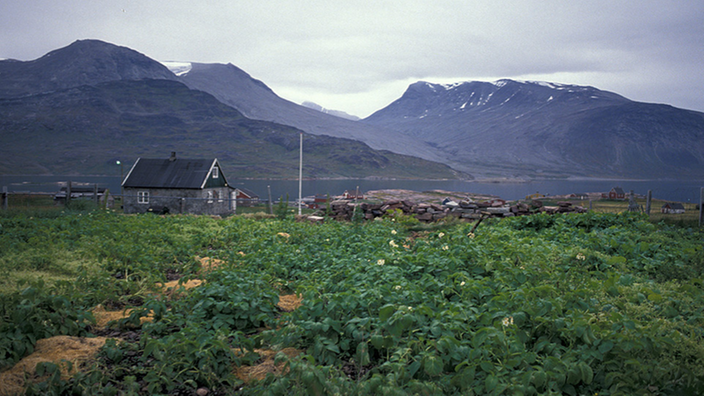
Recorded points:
429,212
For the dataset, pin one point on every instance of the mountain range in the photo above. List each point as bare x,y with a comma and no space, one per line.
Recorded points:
539,129
79,108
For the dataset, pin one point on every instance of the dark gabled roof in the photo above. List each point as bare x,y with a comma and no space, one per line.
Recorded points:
618,190
169,173
673,205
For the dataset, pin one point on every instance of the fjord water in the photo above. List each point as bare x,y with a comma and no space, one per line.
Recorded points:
670,190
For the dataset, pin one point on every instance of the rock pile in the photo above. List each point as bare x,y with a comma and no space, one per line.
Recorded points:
428,212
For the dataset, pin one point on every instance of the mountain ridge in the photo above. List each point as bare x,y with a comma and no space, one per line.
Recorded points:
77,115
505,128
537,129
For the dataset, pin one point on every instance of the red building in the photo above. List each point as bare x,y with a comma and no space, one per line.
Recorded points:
615,193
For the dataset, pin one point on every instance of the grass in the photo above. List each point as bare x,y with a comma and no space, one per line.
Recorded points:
688,219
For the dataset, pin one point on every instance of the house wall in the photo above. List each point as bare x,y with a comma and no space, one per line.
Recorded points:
182,201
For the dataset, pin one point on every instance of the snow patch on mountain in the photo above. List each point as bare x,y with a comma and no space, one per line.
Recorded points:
178,68
336,113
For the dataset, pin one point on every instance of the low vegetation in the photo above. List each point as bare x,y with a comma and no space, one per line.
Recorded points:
577,304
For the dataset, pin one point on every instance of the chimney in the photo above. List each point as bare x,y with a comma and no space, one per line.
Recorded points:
173,156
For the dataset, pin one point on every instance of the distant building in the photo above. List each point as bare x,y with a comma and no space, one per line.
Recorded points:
316,202
672,208
177,185
615,193
79,192
352,195
246,197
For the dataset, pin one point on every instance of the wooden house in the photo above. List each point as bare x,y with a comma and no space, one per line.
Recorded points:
177,185
615,193
672,208
245,197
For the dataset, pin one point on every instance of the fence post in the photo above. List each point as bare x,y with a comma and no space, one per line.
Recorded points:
271,209
647,203
68,192
4,197
701,206
95,194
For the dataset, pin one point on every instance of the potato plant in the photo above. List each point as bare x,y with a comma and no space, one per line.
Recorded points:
577,304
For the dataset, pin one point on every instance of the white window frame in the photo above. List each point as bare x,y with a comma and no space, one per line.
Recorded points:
209,194
216,172
142,197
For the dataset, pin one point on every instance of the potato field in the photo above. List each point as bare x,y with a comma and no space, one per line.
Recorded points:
572,304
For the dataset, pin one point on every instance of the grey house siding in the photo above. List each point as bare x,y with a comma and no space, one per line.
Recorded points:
180,201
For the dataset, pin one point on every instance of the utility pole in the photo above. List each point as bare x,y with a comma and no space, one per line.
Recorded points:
300,175
122,190
701,206
271,208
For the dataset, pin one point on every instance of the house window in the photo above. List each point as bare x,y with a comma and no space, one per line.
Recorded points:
143,197
216,172
210,197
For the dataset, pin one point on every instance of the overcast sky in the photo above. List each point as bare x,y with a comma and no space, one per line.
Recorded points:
359,56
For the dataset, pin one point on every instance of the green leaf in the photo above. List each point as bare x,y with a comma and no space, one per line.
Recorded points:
479,337
586,372
378,341
386,311
655,297
432,365
538,379
605,346
487,367
491,383
413,368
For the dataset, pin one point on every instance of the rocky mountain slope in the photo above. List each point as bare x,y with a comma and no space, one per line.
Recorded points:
234,87
79,109
534,129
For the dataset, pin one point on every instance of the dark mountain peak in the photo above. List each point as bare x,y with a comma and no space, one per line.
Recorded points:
423,99
84,62
538,128
223,73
